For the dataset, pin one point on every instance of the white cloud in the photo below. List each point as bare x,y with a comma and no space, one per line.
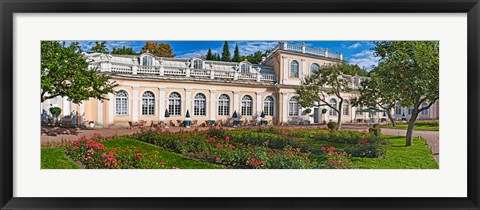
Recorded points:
365,59
354,46
245,47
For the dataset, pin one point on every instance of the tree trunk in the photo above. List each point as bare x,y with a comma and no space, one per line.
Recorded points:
339,118
391,119
411,125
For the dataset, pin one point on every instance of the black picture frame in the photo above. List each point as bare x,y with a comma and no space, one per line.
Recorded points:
10,7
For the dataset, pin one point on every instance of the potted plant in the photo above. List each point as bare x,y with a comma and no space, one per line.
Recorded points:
235,119
187,122
55,113
167,115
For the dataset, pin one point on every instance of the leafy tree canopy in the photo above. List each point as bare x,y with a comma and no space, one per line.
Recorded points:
65,72
100,47
124,51
158,49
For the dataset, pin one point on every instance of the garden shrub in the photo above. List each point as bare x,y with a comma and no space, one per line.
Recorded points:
375,130
366,150
332,125
336,159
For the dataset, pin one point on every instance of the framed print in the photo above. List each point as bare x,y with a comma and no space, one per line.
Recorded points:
239,105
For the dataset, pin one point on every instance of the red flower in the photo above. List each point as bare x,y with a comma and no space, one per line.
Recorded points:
331,149
227,139
298,149
217,159
218,145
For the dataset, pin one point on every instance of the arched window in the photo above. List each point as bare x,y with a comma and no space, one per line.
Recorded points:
410,110
398,109
268,106
175,104
148,103
223,105
346,108
294,69
247,104
147,61
424,112
244,68
333,103
314,68
200,105
197,64
292,107
121,103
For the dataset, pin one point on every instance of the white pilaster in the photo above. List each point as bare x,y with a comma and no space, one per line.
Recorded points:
285,70
135,103
161,100
236,101
213,113
304,68
100,112
65,106
134,69
111,108
82,112
284,107
258,107
188,99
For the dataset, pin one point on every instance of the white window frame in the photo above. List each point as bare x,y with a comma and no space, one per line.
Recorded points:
223,105
269,106
148,103
200,105
311,68
297,74
175,104
293,107
121,103
246,106
331,111
346,107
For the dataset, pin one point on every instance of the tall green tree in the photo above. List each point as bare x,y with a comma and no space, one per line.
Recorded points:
158,49
375,91
65,73
412,70
328,81
100,47
124,51
217,57
209,55
226,52
236,54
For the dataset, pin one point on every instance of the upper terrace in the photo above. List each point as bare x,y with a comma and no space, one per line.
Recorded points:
302,48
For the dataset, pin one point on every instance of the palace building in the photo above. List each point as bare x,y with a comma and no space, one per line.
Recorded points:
149,86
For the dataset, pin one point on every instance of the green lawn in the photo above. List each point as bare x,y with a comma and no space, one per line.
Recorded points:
55,159
417,127
417,156
153,157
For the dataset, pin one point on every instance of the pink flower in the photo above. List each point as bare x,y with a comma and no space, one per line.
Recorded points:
227,139
217,159
298,149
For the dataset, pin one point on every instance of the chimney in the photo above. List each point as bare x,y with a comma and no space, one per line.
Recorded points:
263,59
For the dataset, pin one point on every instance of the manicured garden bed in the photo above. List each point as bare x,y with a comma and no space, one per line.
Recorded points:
122,152
259,148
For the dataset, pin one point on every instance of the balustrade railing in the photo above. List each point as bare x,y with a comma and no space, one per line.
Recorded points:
247,76
200,73
147,70
268,77
180,72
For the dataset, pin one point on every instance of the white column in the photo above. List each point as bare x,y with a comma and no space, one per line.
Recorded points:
258,107
284,107
65,106
135,103
82,112
236,101
161,100
213,113
285,70
188,99
99,112
111,108
304,68
134,69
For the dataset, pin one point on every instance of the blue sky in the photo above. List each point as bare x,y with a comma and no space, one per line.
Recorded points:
355,52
